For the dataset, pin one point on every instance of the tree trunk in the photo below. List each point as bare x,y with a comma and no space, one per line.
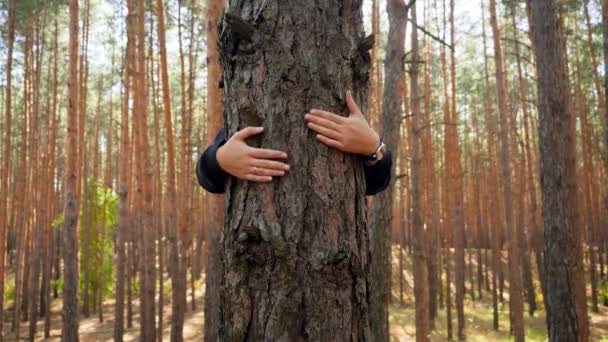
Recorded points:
295,253
515,292
215,203
6,164
144,189
566,312
70,234
123,192
421,290
381,216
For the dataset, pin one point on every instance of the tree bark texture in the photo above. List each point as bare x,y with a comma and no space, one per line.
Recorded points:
70,234
566,313
295,253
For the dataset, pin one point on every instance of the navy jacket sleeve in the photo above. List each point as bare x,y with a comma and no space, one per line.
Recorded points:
208,172
211,177
378,176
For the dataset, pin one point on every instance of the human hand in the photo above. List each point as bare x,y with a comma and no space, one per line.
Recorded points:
249,163
350,134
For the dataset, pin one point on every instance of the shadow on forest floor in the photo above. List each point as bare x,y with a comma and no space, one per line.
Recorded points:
402,323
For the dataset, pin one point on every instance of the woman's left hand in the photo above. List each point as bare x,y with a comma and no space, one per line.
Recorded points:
350,134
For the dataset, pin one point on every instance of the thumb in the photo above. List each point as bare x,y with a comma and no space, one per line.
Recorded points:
352,106
248,132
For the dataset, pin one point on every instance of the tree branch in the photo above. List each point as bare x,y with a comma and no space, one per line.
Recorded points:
434,37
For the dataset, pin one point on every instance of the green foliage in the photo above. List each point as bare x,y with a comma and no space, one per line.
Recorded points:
101,209
9,291
602,289
57,283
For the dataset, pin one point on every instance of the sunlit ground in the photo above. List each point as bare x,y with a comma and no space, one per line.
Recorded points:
479,324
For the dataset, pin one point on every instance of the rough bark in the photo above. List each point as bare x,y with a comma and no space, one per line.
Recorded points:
295,252
70,234
566,313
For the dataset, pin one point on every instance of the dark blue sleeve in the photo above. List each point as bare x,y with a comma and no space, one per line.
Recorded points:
378,176
208,172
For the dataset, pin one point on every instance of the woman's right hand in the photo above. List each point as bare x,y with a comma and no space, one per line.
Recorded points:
248,163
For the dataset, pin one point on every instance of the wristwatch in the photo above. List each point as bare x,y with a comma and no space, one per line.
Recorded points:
379,154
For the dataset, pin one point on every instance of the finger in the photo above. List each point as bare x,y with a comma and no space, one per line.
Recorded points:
322,122
270,164
324,131
350,103
258,179
327,116
248,132
263,153
330,142
268,172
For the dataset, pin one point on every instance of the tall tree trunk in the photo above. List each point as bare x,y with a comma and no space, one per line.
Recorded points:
295,260
36,161
525,182
70,234
215,203
123,194
421,290
566,312
535,226
381,216
49,236
6,164
171,223
430,186
587,220
147,253
447,184
515,292
457,202
605,114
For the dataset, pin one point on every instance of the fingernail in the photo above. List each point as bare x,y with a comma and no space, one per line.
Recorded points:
287,168
284,155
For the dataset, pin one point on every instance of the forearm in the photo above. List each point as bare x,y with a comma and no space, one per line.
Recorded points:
378,175
208,172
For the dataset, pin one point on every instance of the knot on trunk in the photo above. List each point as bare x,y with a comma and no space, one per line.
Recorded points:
366,44
239,26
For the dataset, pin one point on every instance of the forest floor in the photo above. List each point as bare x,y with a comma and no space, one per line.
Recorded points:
402,326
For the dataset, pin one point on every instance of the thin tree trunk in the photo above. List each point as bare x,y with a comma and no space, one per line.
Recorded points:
6,164
515,293
145,174
381,216
123,193
70,234
421,290
215,202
